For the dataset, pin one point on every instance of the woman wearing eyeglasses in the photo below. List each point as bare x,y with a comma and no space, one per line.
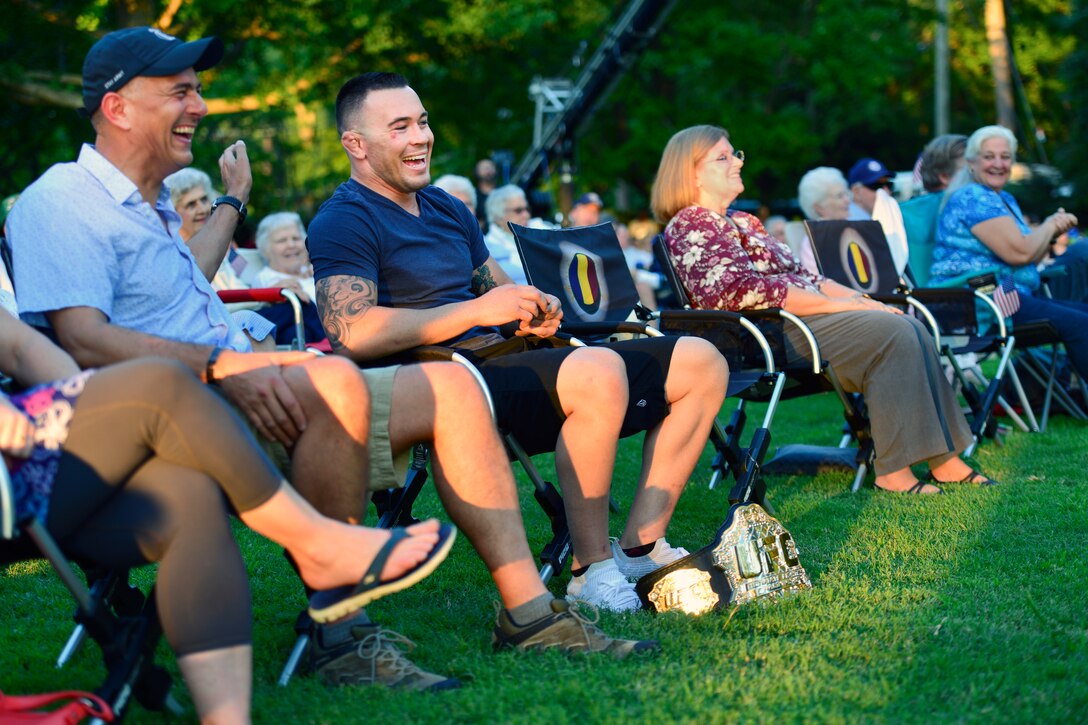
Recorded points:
981,227
504,205
727,261
822,194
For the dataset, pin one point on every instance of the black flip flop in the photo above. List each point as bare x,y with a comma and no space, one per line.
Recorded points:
974,478
330,604
917,488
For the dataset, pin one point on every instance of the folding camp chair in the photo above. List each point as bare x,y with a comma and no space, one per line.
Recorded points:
585,268
117,616
921,216
806,374
855,254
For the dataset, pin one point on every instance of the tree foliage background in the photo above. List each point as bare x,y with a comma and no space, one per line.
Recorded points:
799,83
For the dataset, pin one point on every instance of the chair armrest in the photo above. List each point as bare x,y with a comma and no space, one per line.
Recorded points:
1053,271
973,280
727,330
271,295
597,329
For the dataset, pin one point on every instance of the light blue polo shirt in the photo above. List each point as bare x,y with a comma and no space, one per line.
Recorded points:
82,236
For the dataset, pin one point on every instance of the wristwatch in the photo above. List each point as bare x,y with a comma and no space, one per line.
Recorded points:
236,203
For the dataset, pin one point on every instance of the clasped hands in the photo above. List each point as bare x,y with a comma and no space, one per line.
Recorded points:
254,382
536,312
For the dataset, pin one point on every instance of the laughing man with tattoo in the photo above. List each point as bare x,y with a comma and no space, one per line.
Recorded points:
400,263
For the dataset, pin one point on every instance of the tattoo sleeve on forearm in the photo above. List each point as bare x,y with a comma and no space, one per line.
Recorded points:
342,300
482,281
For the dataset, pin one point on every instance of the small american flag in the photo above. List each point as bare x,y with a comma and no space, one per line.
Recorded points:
237,261
1006,297
916,173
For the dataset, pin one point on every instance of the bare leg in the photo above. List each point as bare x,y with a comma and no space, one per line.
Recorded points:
330,553
901,480
329,462
592,388
953,469
220,682
695,389
441,402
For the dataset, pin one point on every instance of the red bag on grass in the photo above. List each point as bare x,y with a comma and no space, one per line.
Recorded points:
20,709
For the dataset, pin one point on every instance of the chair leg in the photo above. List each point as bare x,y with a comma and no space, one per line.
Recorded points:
303,627
558,550
1025,404
728,455
859,478
394,509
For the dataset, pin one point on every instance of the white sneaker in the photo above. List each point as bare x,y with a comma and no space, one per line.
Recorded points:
639,566
605,587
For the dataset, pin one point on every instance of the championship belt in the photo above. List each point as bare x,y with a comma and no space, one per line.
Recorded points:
751,557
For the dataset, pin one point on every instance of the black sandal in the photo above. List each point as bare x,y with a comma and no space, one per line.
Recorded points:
329,604
975,478
917,488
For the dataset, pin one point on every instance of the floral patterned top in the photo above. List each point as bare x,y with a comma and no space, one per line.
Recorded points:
958,251
49,407
732,268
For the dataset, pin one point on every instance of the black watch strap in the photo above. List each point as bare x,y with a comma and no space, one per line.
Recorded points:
236,203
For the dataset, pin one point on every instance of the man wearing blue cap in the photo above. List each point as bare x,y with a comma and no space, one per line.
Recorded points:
586,210
100,259
866,177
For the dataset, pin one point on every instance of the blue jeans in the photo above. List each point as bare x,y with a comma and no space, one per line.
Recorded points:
1071,320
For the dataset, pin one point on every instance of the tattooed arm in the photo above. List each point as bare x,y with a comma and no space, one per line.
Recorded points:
546,318
488,276
363,330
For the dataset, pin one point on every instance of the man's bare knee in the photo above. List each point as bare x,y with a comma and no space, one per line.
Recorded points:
590,375
332,387
422,394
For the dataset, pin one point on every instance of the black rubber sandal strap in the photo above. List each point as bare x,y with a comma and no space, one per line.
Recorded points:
373,573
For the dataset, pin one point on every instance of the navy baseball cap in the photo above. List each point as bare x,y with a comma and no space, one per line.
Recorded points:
867,171
589,198
122,55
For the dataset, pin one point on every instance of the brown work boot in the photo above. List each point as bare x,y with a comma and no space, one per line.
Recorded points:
373,656
568,629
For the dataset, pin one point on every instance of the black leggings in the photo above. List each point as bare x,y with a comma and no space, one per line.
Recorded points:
150,454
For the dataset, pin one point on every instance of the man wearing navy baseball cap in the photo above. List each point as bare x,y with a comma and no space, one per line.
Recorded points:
866,177
586,210
125,54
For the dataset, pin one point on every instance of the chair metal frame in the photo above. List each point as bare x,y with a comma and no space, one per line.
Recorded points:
117,616
753,372
815,376
929,303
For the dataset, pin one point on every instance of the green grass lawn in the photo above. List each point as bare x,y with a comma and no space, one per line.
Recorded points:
965,607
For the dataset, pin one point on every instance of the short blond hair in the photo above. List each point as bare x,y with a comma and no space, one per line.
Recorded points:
674,187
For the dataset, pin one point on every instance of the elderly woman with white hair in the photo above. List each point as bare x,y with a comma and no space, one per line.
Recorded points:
823,194
192,193
281,241
504,205
459,187
981,227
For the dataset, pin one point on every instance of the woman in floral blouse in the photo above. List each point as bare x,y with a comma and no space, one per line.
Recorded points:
981,227
727,261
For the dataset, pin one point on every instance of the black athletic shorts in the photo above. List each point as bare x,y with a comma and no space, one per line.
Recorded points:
522,381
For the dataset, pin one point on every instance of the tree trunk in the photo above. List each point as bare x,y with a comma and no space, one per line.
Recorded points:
998,43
